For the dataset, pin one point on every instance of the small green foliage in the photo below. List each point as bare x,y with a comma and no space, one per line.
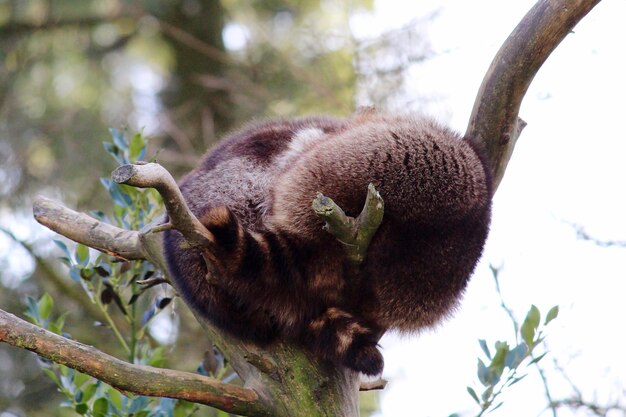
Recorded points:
44,305
112,286
552,314
81,254
530,325
503,369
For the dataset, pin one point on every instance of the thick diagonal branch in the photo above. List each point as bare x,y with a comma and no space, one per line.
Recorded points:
126,377
494,124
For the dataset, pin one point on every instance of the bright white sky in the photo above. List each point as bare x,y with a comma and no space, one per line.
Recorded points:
569,166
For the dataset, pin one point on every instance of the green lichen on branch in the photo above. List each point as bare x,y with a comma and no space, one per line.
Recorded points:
354,233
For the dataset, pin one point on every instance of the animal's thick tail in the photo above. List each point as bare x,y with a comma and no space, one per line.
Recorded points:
339,337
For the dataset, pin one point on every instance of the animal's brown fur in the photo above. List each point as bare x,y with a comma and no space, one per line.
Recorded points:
279,275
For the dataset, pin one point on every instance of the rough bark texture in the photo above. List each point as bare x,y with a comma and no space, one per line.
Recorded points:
283,381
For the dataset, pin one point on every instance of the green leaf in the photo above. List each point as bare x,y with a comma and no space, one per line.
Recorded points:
538,358
44,306
119,198
60,322
82,408
157,357
483,373
114,151
137,145
52,376
80,379
75,273
516,380
89,391
118,139
497,364
552,314
516,356
100,407
82,254
63,247
487,393
485,348
138,404
32,310
471,392
116,397
529,327
86,273
103,271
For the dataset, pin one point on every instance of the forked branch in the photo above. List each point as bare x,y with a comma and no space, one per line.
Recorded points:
354,233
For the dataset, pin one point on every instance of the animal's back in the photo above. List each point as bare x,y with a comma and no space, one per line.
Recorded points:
282,276
437,195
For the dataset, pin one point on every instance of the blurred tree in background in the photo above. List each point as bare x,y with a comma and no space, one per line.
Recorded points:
184,72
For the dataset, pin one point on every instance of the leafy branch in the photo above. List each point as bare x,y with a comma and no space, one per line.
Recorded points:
505,364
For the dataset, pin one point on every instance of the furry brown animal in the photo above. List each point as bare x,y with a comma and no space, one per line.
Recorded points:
278,275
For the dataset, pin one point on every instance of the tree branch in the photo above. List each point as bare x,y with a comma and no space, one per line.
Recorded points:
126,377
354,233
153,175
582,234
79,227
494,124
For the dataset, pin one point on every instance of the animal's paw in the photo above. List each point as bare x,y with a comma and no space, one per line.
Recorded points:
367,359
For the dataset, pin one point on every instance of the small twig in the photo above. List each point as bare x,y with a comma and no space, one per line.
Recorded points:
495,271
582,234
546,387
151,282
374,385
354,233
161,228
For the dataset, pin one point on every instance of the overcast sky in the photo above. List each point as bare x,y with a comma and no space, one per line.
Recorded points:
568,167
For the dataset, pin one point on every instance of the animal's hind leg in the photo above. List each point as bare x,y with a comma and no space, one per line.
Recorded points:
338,336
